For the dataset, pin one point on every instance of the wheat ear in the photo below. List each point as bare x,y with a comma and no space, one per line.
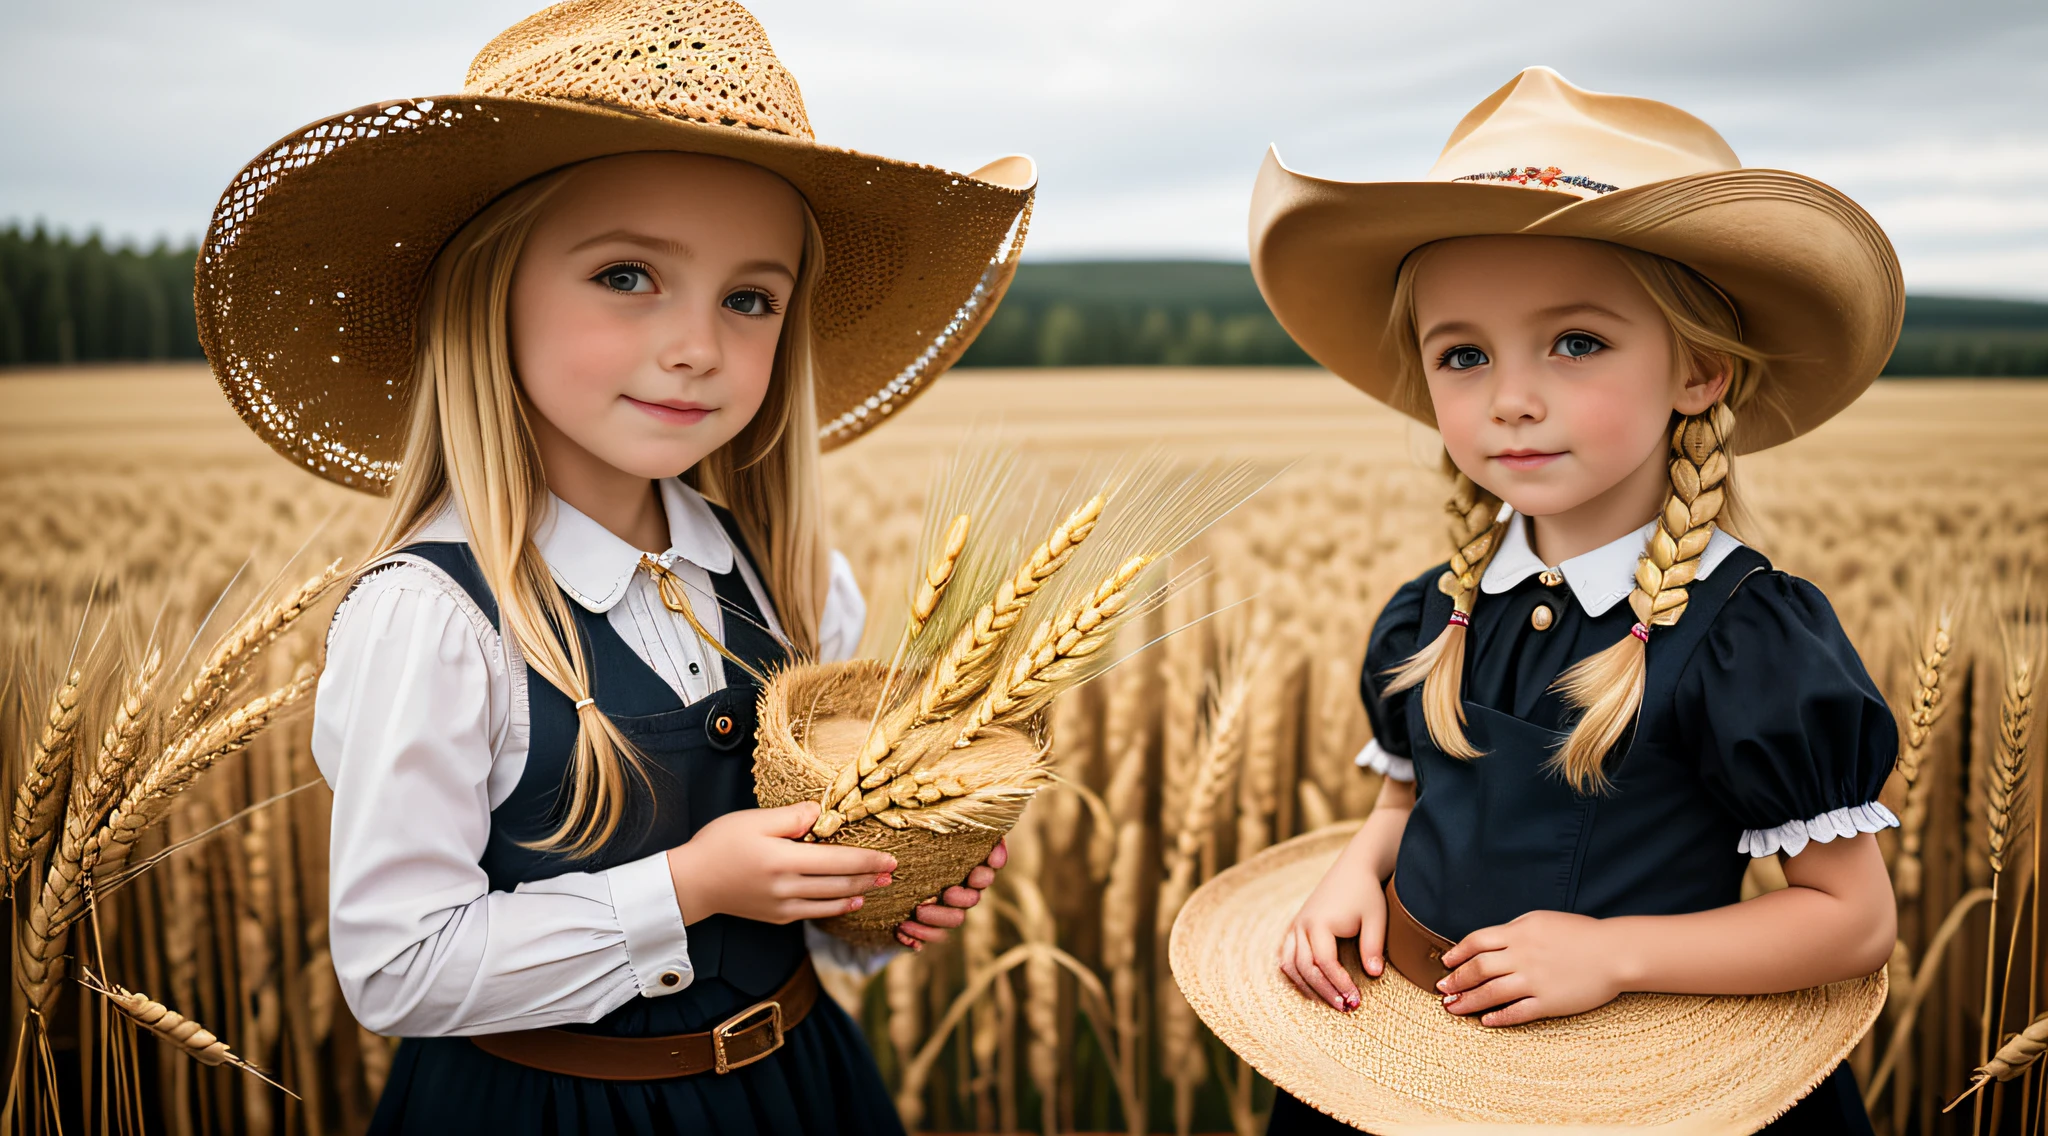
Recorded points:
45,782
1056,647
937,575
230,658
2013,1058
2014,741
1922,712
174,771
191,1038
963,668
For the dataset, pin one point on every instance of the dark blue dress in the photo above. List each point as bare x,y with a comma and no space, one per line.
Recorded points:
823,1080
1757,712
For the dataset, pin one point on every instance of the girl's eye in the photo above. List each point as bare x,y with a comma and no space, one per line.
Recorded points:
749,302
1462,358
1577,345
626,278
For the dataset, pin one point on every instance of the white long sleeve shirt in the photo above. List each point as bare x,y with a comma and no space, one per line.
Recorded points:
420,727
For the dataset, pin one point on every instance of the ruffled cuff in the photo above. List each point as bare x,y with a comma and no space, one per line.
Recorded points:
1792,836
1394,767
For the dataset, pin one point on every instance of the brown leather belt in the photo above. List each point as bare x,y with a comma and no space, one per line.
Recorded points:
1416,951
740,1040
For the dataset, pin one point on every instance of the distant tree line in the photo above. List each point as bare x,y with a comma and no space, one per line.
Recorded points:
64,300
69,301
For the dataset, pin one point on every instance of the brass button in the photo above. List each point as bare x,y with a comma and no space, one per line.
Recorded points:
671,979
1551,577
1542,617
723,723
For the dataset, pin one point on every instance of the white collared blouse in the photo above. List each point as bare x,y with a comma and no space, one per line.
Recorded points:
420,728
1599,580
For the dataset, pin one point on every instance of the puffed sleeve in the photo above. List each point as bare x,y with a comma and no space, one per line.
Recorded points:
1395,636
1795,740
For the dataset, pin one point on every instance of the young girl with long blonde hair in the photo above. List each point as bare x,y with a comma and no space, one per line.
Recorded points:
581,323
1603,705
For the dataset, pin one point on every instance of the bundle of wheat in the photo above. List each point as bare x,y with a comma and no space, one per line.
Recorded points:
933,756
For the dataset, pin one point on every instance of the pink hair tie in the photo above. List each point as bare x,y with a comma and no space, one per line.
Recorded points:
1460,619
1640,632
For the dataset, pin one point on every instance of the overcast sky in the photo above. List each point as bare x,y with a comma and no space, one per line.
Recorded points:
1148,117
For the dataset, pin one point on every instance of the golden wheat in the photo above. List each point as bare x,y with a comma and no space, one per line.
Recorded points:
45,779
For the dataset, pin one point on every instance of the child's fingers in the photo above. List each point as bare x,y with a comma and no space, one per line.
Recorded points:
1000,854
832,887
1324,946
793,910
1484,939
1287,968
961,897
790,821
1487,995
1515,1013
1372,942
980,876
939,915
922,932
837,860
1305,963
1473,971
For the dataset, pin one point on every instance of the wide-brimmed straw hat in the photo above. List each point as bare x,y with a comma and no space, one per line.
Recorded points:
1813,280
310,277
1400,1065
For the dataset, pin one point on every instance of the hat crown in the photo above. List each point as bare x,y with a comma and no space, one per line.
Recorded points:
1539,124
707,62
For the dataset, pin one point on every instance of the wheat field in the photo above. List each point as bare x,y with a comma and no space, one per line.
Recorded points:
132,500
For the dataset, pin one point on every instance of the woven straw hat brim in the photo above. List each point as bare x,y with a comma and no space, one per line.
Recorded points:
311,274
1814,281
1399,1065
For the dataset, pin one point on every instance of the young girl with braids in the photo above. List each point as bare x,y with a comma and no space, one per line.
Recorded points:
1605,704
583,323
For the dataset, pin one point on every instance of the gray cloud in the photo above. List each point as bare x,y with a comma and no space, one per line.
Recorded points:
1148,117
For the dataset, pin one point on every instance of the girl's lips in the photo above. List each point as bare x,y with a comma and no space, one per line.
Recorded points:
673,414
1526,459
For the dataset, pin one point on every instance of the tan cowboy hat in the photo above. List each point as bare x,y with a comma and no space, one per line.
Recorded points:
313,265
1399,1065
1814,282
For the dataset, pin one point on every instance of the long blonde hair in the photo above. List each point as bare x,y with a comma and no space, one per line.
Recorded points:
469,438
1607,687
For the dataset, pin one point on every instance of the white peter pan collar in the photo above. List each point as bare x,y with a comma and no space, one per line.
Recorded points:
1600,578
594,566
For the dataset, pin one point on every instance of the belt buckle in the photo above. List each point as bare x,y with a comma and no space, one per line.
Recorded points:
732,1025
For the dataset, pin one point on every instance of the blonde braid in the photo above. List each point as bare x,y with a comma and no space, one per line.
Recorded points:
1475,530
1609,686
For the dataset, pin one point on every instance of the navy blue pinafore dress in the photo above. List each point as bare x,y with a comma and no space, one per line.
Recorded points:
823,1080
1756,711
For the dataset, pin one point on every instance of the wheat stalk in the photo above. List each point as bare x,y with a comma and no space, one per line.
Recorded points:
1055,651
175,770
2014,1058
1924,709
962,670
231,657
936,576
45,781
191,1038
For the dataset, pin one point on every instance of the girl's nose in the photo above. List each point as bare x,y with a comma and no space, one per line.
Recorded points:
1514,398
688,341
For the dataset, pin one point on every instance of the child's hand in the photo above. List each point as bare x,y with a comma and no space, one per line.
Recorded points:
1347,903
751,864
931,921
1545,964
